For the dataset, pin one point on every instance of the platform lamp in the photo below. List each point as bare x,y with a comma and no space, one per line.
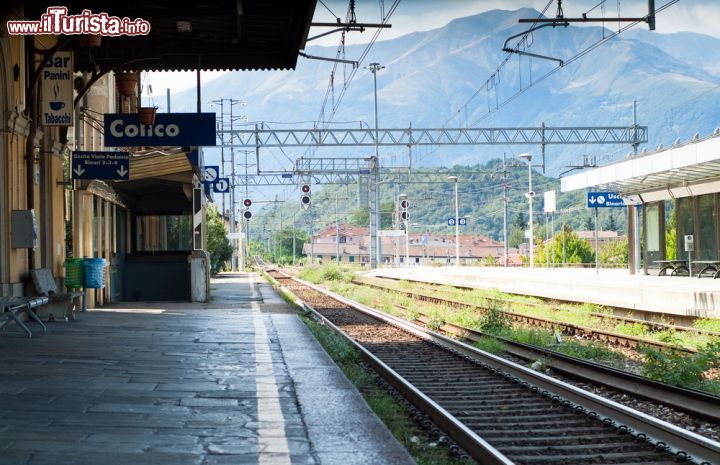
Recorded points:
530,194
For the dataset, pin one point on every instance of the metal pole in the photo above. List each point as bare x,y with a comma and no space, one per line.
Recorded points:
233,260
530,219
553,240
407,243
505,212
457,226
597,258
337,231
293,233
547,243
167,96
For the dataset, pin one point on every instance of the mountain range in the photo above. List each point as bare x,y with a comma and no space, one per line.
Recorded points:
428,76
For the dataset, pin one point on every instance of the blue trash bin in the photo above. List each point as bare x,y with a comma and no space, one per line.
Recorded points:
94,273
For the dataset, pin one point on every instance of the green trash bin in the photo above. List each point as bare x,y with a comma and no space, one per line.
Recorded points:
74,273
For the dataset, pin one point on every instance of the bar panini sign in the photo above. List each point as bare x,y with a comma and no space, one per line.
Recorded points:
57,91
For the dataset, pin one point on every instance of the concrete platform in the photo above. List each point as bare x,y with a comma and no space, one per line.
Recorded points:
237,381
683,296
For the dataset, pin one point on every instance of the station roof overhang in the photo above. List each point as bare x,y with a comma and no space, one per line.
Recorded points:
207,35
676,172
160,182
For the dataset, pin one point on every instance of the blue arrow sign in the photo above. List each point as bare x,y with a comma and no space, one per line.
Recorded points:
221,186
113,166
210,174
605,200
451,221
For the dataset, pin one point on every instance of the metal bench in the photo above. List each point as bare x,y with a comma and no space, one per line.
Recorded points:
12,306
60,305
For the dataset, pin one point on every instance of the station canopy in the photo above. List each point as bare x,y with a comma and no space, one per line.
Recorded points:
206,35
679,171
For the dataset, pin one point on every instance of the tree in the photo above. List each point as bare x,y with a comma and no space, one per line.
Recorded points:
516,236
520,221
218,244
611,224
614,254
590,222
361,216
671,235
576,249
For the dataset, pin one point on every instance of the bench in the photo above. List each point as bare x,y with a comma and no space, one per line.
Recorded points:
676,267
60,305
708,268
11,307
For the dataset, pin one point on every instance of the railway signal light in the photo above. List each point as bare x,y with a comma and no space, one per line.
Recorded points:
305,198
404,205
247,214
247,202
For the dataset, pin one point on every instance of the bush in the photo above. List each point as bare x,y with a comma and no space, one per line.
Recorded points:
680,369
494,320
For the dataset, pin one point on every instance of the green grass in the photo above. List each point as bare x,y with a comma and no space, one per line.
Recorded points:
479,320
423,448
708,324
490,344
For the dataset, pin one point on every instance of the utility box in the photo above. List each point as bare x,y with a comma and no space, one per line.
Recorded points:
689,243
23,229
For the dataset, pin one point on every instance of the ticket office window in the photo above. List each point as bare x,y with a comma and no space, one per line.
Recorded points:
163,233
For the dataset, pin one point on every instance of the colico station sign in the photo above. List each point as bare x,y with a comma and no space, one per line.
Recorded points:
169,129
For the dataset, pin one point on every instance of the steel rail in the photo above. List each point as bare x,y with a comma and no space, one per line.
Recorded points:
474,445
695,402
686,444
652,325
567,328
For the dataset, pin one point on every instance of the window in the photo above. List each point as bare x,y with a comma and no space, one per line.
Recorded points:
163,233
352,258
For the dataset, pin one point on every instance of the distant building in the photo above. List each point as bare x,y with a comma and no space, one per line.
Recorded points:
424,248
603,236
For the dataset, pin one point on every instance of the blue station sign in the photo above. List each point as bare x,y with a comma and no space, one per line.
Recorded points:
605,200
169,129
101,165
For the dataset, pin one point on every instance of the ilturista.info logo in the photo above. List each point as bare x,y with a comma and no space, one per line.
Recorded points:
57,21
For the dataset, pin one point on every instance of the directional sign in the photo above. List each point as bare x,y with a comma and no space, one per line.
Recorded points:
462,221
101,165
221,186
604,200
210,173
451,221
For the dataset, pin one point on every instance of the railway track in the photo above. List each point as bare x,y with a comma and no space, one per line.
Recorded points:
696,403
496,410
650,325
568,329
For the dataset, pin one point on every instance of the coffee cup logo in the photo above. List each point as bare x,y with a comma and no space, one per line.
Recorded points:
57,106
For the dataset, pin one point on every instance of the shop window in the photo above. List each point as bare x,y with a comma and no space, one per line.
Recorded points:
163,233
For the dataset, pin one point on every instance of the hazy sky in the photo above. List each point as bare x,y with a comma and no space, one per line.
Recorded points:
421,15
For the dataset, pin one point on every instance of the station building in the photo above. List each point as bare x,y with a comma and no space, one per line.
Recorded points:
674,193
149,225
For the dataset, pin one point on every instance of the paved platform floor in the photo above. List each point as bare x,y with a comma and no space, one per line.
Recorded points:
237,381
675,295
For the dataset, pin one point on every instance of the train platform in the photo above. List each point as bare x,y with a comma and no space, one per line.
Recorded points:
671,295
239,380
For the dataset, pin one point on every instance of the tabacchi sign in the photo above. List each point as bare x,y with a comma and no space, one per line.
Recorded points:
57,21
